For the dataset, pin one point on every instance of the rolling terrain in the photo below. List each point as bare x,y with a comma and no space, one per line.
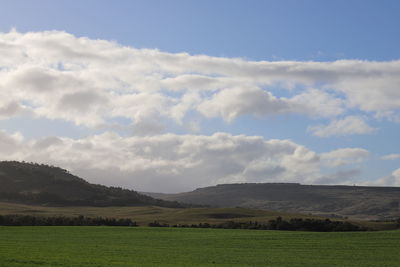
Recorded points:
30,183
32,189
146,214
143,215
359,202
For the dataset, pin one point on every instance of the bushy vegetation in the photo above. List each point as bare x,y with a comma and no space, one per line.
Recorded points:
26,220
294,224
397,221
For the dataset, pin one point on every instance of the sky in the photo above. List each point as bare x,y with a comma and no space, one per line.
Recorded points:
169,96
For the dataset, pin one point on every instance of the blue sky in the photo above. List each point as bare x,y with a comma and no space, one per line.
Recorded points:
333,94
258,30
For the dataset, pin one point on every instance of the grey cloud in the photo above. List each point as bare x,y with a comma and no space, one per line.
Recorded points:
39,80
10,109
81,101
47,142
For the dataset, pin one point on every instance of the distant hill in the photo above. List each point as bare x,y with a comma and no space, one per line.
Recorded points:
30,183
351,201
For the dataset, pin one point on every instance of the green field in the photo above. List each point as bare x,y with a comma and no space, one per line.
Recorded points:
143,246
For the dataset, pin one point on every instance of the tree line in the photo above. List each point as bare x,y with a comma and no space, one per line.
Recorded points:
294,224
28,220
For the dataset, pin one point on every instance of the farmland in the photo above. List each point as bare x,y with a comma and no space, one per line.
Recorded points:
144,246
144,215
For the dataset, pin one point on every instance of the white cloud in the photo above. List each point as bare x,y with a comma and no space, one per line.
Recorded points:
317,103
231,103
342,177
344,156
44,73
170,162
104,85
390,180
346,126
391,157
10,143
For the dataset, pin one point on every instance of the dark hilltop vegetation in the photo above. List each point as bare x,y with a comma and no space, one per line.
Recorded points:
361,202
39,184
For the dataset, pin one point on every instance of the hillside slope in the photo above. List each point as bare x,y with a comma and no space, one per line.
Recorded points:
47,185
352,201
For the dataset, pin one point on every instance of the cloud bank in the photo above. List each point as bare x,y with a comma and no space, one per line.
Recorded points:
171,162
103,85
57,75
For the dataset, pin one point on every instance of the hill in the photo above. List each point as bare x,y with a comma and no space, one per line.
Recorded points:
47,185
347,201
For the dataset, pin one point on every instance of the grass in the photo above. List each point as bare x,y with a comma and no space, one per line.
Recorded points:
144,215
143,246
